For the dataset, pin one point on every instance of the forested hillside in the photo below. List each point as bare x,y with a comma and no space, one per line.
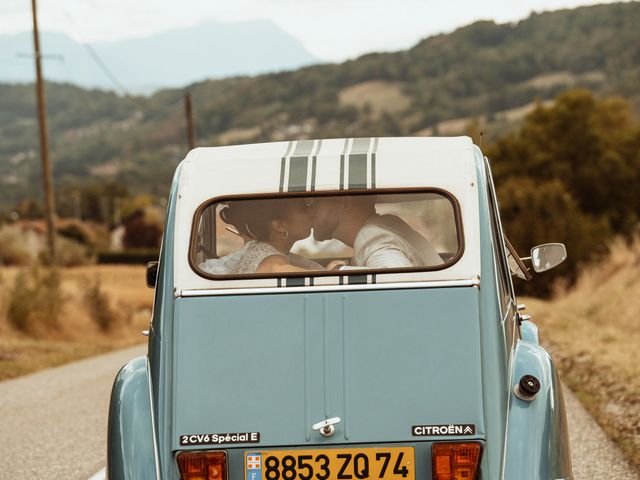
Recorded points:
106,147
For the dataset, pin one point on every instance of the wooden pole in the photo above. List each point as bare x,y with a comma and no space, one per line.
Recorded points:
188,111
47,177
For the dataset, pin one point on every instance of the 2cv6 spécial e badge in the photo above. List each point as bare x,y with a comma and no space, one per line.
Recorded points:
339,310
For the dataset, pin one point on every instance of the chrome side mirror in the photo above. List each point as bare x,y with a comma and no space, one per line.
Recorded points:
547,256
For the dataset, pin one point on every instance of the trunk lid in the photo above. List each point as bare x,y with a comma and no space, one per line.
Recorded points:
383,361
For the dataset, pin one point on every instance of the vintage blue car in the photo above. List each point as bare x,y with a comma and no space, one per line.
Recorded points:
339,310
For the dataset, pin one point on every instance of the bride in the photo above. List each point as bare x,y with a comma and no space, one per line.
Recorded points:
270,227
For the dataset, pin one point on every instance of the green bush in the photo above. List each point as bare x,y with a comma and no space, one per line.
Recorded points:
570,175
130,256
143,229
541,212
18,247
70,253
23,248
591,145
77,232
99,307
36,299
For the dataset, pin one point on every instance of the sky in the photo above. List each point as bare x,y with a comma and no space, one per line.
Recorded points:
331,30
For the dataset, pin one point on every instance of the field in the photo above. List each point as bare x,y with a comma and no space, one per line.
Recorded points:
379,95
121,295
593,334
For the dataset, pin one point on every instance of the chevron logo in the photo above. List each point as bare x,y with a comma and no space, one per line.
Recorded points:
443,430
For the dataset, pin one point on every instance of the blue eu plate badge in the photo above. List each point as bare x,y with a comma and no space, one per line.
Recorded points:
254,466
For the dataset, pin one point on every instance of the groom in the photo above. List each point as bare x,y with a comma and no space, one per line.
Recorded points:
378,241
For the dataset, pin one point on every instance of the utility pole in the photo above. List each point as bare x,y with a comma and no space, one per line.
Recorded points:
188,111
47,178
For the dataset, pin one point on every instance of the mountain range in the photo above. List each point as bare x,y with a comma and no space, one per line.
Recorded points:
167,59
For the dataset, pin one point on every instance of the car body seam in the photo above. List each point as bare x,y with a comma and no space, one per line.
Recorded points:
153,421
473,282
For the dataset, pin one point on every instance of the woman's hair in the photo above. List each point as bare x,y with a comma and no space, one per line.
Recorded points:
252,218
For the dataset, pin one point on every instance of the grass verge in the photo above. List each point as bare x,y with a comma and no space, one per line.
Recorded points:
593,333
84,326
22,356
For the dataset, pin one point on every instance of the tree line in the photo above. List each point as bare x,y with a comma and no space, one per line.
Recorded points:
571,174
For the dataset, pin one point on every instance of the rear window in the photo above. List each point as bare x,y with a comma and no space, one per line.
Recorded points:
326,234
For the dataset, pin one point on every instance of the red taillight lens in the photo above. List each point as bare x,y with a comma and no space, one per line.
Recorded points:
202,465
456,461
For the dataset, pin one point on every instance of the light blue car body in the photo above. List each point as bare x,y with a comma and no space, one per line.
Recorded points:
383,360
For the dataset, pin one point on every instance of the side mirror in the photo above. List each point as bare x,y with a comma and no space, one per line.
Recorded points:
152,274
547,256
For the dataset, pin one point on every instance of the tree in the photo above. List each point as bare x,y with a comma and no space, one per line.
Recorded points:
586,143
536,212
143,229
570,174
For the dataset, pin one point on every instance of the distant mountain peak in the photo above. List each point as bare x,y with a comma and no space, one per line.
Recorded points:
171,58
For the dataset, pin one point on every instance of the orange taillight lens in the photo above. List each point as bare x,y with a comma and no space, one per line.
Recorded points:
456,461
202,465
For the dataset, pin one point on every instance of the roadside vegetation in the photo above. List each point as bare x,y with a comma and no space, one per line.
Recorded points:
53,316
570,174
592,331
55,312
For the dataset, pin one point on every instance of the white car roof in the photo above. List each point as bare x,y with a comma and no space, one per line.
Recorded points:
321,165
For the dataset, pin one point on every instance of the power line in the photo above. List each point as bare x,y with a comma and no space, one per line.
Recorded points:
103,66
105,69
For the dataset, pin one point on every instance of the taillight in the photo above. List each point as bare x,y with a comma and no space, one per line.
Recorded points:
202,465
456,461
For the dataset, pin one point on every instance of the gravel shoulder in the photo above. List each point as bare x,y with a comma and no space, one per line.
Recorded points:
593,453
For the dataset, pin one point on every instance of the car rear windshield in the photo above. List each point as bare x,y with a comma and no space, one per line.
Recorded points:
326,234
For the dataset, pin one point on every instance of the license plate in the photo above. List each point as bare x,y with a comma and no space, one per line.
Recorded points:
391,463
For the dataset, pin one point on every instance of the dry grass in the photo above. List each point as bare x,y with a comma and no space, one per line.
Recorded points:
381,96
553,79
518,113
564,78
460,126
593,333
20,356
237,136
108,169
78,335
18,247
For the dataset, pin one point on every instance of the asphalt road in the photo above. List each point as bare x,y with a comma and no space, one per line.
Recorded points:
53,425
